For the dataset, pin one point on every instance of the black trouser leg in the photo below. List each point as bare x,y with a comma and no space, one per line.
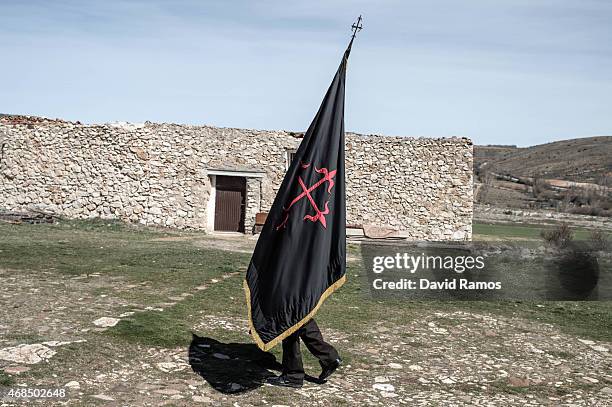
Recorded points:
311,335
292,357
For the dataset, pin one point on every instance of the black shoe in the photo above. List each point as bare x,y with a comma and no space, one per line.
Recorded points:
330,368
285,381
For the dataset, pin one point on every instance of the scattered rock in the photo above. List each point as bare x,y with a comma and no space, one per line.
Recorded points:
103,397
518,381
106,322
170,367
73,384
384,387
28,354
202,399
16,369
167,392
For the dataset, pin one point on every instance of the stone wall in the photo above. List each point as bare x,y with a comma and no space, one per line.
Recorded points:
159,174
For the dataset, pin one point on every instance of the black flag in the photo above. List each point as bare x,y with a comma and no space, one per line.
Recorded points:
300,257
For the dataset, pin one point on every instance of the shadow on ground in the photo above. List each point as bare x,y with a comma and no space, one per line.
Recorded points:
231,367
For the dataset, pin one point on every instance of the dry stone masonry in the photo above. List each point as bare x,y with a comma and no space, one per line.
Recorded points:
164,174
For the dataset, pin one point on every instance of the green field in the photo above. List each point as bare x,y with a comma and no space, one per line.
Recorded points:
484,231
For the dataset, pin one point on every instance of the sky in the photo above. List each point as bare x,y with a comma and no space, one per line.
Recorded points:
518,72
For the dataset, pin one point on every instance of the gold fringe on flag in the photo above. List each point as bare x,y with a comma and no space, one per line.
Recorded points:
267,346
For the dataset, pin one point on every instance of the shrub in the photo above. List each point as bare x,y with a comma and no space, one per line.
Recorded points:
599,240
559,236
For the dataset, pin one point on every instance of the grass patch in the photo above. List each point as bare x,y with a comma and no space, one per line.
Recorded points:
503,386
521,231
164,329
172,326
21,337
561,354
85,247
6,379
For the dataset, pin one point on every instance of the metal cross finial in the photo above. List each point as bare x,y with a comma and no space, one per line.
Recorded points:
357,26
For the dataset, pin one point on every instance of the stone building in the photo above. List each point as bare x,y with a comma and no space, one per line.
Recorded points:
218,179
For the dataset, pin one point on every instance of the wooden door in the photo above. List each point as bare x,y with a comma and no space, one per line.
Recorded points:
230,203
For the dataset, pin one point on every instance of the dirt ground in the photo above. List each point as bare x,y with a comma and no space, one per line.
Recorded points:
113,330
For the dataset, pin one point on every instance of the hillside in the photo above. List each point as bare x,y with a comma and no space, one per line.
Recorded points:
581,160
572,176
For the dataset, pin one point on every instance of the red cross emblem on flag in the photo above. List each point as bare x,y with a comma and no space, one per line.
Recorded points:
319,215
